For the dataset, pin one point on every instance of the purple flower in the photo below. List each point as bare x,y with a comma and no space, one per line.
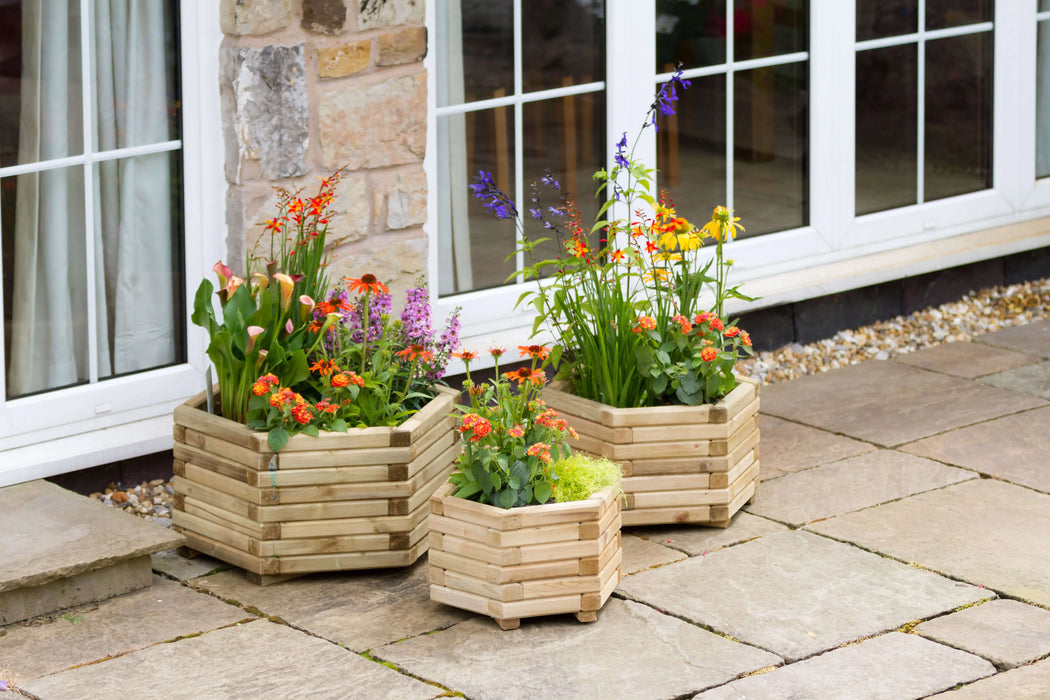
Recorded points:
415,319
448,342
549,180
668,95
498,202
621,159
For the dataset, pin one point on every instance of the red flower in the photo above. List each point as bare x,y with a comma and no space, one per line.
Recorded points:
340,380
516,432
646,323
497,350
465,355
716,324
683,322
536,352
540,450
357,379
367,284
708,354
745,339
324,367
732,331
301,413
527,374
414,352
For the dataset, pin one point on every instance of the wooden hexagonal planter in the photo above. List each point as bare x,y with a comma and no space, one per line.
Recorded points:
525,562
681,464
339,501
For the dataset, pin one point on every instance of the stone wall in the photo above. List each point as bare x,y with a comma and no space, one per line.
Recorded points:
309,86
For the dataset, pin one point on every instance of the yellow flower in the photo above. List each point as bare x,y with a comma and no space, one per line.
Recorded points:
722,223
667,257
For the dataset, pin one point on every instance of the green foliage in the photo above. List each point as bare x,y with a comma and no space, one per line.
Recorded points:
579,476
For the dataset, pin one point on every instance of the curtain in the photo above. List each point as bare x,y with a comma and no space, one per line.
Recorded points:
1042,97
132,223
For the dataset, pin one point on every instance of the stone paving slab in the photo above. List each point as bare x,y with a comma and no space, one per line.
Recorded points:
632,651
160,613
259,659
1031,379
360,610
966,360
1031,339
51,533
1005,632
1014,448
889,403
641,554
985,532
851,484
797,594
1024,683
788,447
887,667
694,539
181,568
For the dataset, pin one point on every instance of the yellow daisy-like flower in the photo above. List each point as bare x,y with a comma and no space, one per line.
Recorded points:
657,274
722,224
667,257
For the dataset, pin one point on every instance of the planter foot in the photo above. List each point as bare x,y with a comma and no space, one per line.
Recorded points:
587,616
267,579
719,523
510,623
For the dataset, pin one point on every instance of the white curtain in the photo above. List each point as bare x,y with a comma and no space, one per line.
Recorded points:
1042,96
132,227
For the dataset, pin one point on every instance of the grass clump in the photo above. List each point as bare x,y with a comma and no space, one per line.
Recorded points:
580,475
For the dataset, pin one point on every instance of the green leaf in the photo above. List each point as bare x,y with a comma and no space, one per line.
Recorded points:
660,384
338,425
278,438
507,499
542,491
311,430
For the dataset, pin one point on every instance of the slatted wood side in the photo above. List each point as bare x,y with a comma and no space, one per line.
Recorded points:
335,502
681,464
524,562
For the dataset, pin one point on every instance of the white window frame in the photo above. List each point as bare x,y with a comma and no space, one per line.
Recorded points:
836,250
112,419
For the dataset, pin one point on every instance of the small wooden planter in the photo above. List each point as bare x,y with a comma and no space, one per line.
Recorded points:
524,562
681,464
339,501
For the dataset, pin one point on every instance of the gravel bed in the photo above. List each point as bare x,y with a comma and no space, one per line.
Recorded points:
975,314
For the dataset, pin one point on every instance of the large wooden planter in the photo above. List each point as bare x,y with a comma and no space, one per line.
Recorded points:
354,500
681,464
524,562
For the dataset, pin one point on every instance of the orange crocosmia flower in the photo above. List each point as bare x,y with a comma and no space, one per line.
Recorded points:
579,249
536,352
295,206
708,354
273,225
414,352
366,284
324,367
617,256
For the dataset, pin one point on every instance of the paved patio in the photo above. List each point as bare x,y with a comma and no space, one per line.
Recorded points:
897,549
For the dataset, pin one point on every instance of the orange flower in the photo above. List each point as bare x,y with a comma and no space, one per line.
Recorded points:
516,432
497,350
301,413
414,352
716,324
702,317
465,355
269,379
540,450
526,374
260,387
536,352
357,379
617,256
732,331
644,323
367,284
683,322
745,339
324,367
708,354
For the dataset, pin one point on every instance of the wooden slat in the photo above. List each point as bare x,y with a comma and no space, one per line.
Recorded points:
588,602
727,462
660,450
320,545
476,550
440,465
540,606
460,528
670,482
678,433
560,550
561,586
462,600
246,561
722,514
723,479
228,450
501,592
243,491
283,478
184,453
553,513
590,445
342,457
226,535
319,511
345,492
353,526
348,561
426,490
191,415
569,405
445,449
741,418
425,418
598,431
733,402
352,439
224,518
594,565
666,516
680,499
200,492
464,565
750,475
538,570
656,416
562,532
482,514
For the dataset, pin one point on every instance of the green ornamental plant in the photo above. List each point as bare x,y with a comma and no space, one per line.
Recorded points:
580,475
625,309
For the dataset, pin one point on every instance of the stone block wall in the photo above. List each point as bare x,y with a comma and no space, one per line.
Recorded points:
309,86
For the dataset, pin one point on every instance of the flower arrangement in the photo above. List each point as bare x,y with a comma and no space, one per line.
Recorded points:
624,308
287,363
511,440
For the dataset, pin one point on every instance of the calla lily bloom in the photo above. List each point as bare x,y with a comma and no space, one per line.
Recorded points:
224,273
232,285
287,284
260,281
289,327
306,307
253,333
260,359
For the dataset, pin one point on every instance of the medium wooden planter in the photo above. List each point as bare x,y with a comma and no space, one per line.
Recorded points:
524,562
681,464
354,500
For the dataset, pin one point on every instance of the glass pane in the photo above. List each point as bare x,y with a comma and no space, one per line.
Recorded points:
770,28
40,68
691,33
691,149
1042,101
474,244
565,137
953,13
771,144
136,64
958,115
141,258
882,18
564,43
1044,5
887,133
45,314
477,62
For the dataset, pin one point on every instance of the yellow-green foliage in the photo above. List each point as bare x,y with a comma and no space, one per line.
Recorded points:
579,476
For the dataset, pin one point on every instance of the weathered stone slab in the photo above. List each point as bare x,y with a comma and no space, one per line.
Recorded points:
1031,379
631,651
1031,339
402,46
694,540
385,13
1025,683
966,360
161,613
1005,632
893,665
851,484
788,447
327,16
360,610
341,61
641,554
173,564
256,660
982,531
797,594
889,403
1013,448
373,126
246,17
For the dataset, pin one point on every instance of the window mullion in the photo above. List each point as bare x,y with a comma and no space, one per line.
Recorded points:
1013,100
730,125
519,135
87,84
